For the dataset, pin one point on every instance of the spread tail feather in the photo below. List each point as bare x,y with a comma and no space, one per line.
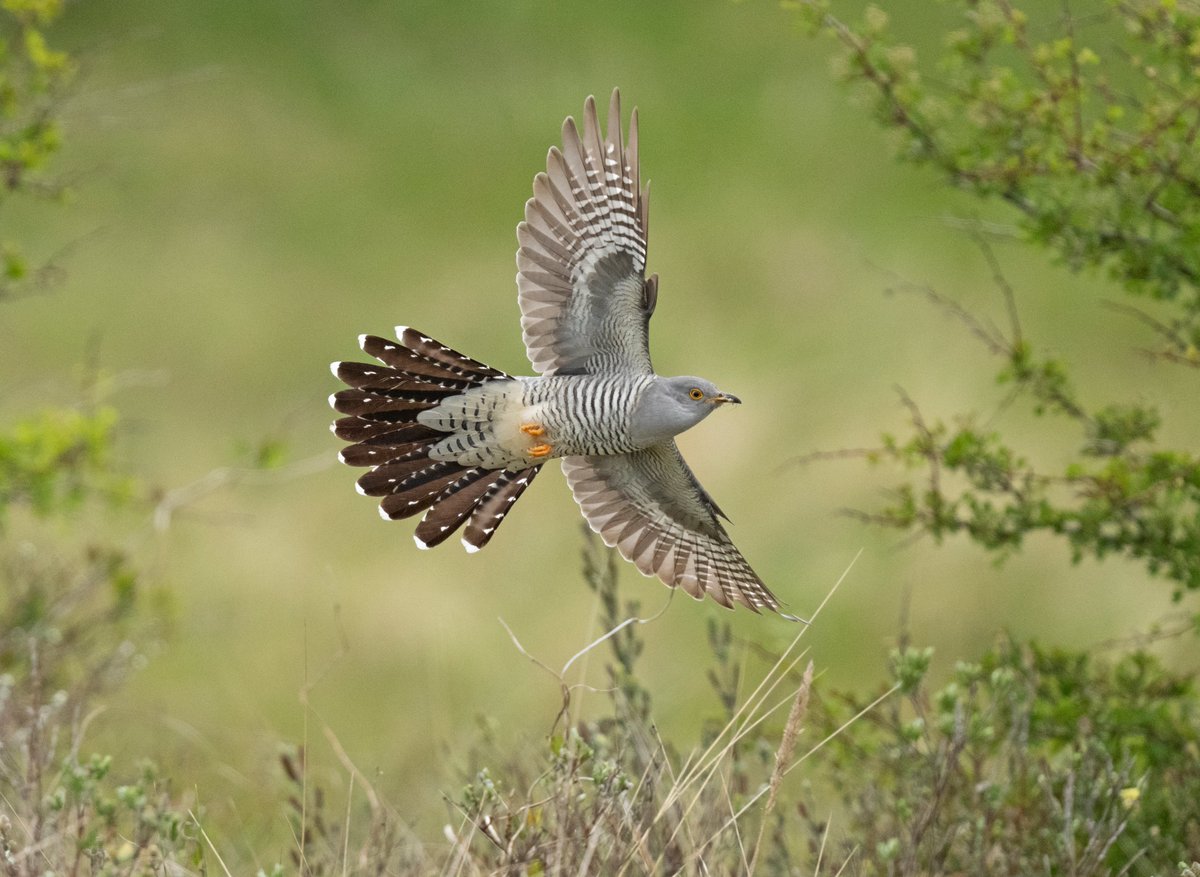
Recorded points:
380,409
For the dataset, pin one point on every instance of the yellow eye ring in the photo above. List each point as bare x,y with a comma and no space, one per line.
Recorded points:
696,394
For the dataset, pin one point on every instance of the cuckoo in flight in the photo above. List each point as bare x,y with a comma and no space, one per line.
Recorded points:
460,441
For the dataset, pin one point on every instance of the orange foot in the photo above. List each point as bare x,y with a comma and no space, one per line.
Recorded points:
541,449
533,429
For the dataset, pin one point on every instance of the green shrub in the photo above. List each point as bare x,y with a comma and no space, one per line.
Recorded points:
1029,760
1085,125
68,622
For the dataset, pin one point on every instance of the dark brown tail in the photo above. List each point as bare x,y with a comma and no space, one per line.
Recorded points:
381,408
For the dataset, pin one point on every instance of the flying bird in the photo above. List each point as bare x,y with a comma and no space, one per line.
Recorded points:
460,441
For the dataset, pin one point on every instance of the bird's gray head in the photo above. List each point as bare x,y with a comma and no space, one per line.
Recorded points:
671,405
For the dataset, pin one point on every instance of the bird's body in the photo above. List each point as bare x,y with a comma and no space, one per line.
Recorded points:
460,441
502,423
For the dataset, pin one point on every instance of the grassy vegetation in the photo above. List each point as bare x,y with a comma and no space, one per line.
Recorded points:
253,186
1030,760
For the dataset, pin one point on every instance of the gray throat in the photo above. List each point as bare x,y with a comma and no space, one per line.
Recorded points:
660,415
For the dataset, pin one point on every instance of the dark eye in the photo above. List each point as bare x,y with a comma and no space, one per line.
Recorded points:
696,394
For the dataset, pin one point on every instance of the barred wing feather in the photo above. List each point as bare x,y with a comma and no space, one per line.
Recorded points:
585,302
649,506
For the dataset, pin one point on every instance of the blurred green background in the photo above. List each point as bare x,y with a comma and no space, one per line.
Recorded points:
254,184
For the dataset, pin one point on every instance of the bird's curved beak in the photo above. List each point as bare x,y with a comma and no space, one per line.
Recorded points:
722,398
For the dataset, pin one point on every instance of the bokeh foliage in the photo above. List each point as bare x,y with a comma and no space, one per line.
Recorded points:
33,80
67,611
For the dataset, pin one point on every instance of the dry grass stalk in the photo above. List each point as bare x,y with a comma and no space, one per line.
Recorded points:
783,755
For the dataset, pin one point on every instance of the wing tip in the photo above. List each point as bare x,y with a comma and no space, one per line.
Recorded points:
570,133
471,549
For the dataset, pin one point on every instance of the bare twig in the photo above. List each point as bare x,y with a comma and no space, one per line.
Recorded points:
227,476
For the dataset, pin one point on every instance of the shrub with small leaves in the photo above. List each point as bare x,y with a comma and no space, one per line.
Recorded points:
69,618
1028,760
1085,123
62,643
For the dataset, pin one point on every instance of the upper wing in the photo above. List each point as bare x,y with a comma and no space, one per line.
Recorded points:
585,302
650,507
